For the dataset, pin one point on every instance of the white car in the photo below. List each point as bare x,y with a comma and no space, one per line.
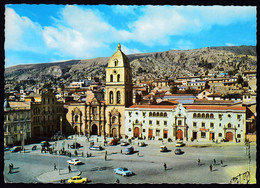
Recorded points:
179,143
123,171
74,161
124,144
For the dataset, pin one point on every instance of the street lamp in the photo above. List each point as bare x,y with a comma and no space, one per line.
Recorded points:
249,159
22,138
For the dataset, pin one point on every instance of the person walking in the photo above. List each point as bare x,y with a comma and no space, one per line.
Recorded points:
106,152
12,166
198,162
76,153
214,161
210,167
117,181
137,154
105,157
121,151
221,162
10,170
69,168
165,166
55,168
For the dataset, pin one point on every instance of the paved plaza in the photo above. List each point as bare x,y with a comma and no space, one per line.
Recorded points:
147,165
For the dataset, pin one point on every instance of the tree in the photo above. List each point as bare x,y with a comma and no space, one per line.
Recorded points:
189,90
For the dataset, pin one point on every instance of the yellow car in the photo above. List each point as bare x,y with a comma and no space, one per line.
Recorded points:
77,179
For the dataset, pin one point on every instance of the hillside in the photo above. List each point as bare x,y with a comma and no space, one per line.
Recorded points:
157,64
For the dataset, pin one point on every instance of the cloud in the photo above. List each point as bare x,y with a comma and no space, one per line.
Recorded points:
21,33
128,51
184,45
230,44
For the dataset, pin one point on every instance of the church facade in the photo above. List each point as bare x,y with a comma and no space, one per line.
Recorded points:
106,118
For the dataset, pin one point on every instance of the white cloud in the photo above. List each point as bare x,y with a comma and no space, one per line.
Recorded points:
21,33
128,51
230,44
184,45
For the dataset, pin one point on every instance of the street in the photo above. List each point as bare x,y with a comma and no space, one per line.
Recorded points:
147,168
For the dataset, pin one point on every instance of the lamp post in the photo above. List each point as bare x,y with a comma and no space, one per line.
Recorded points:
249,159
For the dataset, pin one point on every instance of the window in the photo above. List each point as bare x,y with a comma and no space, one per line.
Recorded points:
157,122
202,124
198,115
211,116
150,122
116,62
238,135
118,97
129,129
194,115
194,124
143,130
118,77
111,78
219,134
203,135
143,121
220,125
129,113
220,116
111,100
229,115
136,121
143,114
150,114
179,122
229,125
157,132
238,125
207,115
161,114
203,115
211,125
165,123
94,110
165,114
238,117
136,113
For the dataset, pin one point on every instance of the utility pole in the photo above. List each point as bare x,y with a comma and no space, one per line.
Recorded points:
61,124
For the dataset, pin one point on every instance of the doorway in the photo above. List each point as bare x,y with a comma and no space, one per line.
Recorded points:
94,129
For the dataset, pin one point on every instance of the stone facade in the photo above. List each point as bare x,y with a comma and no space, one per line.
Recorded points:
187,122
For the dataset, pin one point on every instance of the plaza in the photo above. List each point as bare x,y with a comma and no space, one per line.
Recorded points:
37,167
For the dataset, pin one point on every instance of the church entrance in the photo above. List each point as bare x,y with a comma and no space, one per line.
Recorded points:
94,129
179,134
136,133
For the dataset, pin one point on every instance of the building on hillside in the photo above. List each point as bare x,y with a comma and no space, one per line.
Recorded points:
17,123
46,115
187,122
181,98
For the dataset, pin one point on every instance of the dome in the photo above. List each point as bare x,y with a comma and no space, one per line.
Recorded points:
118,59
6,104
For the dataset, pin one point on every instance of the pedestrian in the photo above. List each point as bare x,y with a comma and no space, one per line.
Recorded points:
221,162
106,152
214,161
10,170
55,168
90,154
165,166
117,181
11,165
137,154
198,162
97,139
121,151
105,157
69,168
76,153
68,146
82,154
210,167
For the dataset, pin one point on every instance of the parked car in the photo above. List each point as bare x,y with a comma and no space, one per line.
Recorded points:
75,145
95,147
129,150
34,147
77,179
179,143
141,144
16,149
124,144
178,151
45,144
123,171
74,161
163,149
7,148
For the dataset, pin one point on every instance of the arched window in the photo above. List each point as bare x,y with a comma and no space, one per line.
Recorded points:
116,62
118,77
111,78
76,118
154,114
207,115
211,116
229,125
111,97
194,115
165,114
203,115
150,114
113,119
157,114
118,97
161,114
199,115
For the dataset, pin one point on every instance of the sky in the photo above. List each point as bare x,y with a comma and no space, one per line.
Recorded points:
52,33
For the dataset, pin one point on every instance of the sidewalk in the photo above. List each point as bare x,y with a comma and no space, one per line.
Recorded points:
55,176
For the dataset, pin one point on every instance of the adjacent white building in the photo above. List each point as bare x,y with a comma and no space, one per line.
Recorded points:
187,122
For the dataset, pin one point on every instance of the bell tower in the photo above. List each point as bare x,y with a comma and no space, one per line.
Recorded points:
118,92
